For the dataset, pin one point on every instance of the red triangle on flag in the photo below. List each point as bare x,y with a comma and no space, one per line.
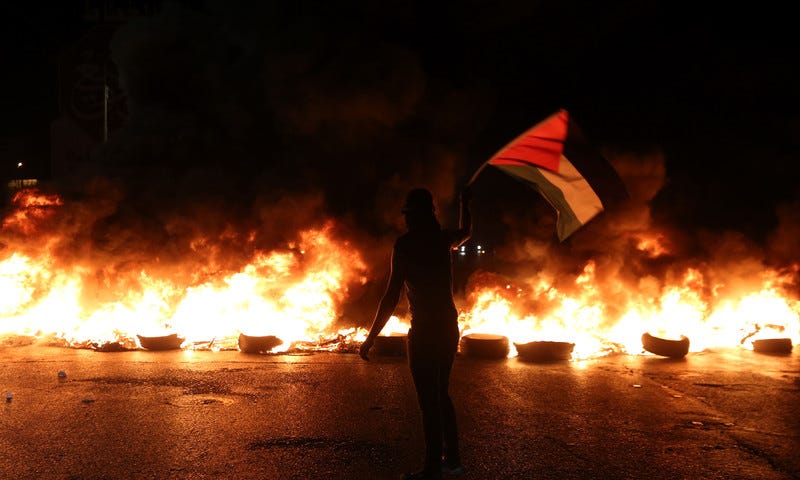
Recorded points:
541,146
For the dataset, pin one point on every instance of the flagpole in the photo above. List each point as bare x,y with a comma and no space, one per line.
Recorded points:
479,170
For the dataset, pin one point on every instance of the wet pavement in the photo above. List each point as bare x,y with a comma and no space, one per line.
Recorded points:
727,414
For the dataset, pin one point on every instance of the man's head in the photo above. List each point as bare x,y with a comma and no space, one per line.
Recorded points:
418,200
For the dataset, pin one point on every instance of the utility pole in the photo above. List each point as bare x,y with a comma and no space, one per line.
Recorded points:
105,112
105,103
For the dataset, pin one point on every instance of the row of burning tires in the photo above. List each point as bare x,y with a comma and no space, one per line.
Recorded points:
497,346
482,345
247,343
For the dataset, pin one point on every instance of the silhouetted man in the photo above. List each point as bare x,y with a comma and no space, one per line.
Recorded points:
421,260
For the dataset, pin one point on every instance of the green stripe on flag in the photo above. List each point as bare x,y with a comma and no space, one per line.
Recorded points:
567,221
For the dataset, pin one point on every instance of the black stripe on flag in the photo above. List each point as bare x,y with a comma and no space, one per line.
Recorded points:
602,177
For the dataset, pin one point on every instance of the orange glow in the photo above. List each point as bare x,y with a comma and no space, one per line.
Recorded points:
298,292
653,245
30,206
599,326
294,294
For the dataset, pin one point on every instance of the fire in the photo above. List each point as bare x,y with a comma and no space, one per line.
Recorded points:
297,294
653,245
31,205
563,318
613,319
395,326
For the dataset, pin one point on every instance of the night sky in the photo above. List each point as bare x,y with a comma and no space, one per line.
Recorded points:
288,112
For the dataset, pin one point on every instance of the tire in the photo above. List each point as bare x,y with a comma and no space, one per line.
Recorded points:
665,347
162,342
773,345
394,344
258,344
544,351
484,345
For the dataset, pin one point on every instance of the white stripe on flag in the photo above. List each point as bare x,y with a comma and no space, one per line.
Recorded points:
585,204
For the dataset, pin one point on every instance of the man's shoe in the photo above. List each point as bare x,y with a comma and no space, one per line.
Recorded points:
422,475
452,469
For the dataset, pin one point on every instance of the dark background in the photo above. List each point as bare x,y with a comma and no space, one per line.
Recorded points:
340,107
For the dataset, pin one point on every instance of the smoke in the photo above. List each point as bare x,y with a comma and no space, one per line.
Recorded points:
629,251
531,233
247,126
783,240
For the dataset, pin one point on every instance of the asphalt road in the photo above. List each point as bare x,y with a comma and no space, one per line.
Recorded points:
731,414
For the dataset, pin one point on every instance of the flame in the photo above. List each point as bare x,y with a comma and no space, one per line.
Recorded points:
654,246
297,294
587,316
395,326
31,206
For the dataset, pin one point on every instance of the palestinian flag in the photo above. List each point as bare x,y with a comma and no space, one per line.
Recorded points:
554,158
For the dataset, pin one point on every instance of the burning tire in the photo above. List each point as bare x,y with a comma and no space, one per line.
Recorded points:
484,345
393,344
544,351
258,344
665,347
773,345
161,342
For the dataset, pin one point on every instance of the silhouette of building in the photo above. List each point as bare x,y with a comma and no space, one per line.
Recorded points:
63,98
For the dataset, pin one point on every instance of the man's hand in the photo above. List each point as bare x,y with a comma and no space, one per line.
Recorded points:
363,351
